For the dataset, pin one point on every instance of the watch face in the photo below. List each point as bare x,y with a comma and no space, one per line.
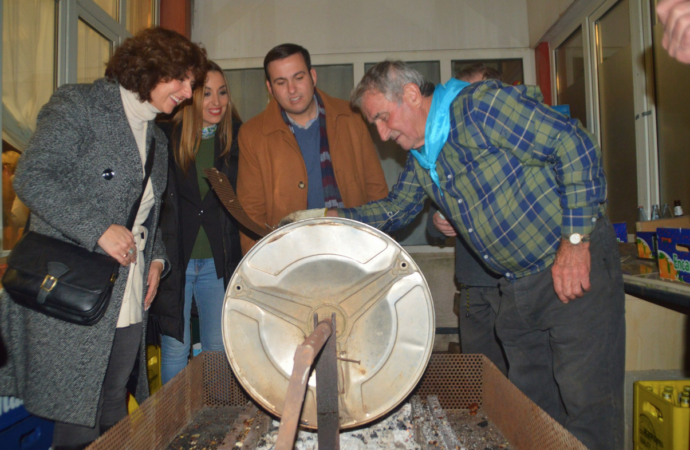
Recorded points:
575,238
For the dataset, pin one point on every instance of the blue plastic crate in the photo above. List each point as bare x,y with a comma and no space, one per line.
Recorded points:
32,433
621,229
11,411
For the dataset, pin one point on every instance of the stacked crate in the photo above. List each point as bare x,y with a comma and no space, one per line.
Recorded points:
21,430
660,423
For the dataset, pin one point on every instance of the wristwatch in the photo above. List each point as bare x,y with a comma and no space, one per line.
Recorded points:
576,238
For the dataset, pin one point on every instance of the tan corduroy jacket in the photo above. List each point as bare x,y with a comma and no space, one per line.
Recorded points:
272,179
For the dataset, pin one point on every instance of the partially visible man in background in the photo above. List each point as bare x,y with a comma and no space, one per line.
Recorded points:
478,72
478,293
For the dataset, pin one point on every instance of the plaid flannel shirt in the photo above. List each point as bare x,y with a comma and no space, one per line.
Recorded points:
516,176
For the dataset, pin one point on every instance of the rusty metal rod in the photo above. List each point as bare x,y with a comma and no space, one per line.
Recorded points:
304,358
327,408
349,360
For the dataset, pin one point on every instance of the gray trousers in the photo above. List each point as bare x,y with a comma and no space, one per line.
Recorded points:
570,358
113,403
477,308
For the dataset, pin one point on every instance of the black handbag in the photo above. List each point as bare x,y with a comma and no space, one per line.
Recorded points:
64,280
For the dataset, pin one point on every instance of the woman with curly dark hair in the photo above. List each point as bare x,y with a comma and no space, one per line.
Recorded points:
81,176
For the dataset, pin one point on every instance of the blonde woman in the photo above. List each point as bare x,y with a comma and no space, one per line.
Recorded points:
201,238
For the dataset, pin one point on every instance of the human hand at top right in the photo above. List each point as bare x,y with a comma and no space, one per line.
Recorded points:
442,225
675,15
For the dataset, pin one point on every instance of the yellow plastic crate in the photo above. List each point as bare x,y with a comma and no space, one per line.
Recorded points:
153,360
153,363
132,404
657,423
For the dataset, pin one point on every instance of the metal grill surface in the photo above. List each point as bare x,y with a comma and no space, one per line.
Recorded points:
221,387
458,381
522,422
454,378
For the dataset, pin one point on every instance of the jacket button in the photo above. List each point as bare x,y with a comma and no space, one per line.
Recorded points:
301,185
201,211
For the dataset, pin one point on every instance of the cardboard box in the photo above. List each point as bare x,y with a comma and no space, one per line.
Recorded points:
647,240
646,244
621,229
652,225
673,253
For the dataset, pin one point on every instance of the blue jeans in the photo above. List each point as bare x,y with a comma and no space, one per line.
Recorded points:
208,290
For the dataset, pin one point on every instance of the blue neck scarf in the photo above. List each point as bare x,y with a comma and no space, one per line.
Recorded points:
209,131
438,126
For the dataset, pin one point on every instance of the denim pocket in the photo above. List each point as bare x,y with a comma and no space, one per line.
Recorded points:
609,245
533,296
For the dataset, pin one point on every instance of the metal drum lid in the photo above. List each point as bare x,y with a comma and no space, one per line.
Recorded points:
383,307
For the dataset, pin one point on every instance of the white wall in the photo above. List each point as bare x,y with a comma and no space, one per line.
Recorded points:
542,14
657,337
232,29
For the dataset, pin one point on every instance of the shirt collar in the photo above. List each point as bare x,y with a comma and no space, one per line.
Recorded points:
308,124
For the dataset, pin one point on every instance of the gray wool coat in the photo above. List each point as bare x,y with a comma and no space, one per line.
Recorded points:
58,368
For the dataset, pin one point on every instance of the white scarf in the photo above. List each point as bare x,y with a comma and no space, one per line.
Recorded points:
138,115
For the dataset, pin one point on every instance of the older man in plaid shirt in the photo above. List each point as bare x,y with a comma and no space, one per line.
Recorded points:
524,186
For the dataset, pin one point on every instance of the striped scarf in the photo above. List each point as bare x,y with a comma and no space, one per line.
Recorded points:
331,193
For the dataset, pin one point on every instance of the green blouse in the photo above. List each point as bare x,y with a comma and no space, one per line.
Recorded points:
203,160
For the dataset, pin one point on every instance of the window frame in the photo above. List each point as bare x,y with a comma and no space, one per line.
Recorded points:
585,14
70,12
358,60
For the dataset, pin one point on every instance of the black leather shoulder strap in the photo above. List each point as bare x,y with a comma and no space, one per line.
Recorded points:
147,173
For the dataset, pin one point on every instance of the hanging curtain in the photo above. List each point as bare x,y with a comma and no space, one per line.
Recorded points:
139,15
93,53
28,65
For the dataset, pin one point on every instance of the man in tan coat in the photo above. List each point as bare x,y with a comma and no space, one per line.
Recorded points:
306,150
